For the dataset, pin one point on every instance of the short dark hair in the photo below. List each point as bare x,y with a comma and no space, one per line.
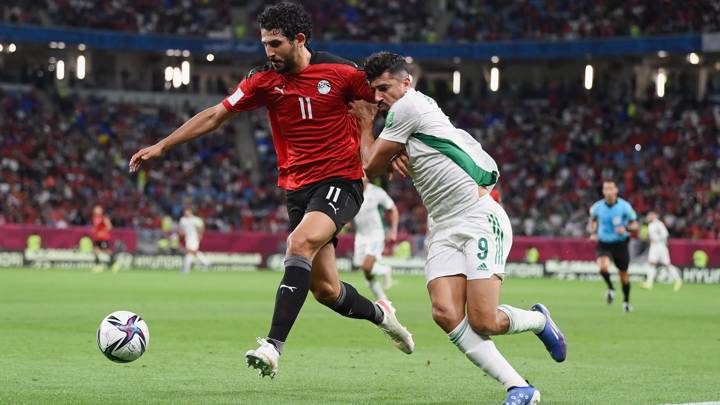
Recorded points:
290,18
381,62
606,180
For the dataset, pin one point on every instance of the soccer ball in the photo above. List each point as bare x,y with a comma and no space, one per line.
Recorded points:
123,336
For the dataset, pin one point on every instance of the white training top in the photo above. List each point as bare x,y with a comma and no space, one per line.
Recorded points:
657,233
190,226
446,163
368,223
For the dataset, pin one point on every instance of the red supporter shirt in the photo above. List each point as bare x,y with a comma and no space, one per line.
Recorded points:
314,134
100,230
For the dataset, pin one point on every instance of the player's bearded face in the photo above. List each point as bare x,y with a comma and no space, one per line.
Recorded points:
389,88
279,50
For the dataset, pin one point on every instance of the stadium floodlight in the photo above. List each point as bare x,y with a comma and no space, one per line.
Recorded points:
12,48
53,45
662,54
1,47
660,81
61,45
210,57
60,70
81,67
456,82
495,59
693,58
177,77
169,52
494,79
185,53
81,47
409,59
168,74
185,68
588,77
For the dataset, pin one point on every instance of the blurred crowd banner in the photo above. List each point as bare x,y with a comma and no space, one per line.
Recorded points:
508,50
532,250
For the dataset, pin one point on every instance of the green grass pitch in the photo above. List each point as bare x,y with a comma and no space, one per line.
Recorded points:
667,351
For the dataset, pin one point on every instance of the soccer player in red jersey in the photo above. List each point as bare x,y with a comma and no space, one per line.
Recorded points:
316,140
101,227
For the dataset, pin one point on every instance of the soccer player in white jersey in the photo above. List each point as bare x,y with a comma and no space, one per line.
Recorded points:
470,235
370,237
659,254
192,228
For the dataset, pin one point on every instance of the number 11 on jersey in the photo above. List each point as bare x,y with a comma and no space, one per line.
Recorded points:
305,105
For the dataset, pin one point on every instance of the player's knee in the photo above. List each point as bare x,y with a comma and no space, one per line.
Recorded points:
484,324
325,293
446,317
299,244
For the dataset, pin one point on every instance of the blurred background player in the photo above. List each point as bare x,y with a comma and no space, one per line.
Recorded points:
101,227
471,235
659,254
191,227
610,220
370,237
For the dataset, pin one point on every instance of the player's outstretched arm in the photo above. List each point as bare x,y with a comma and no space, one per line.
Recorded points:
203,122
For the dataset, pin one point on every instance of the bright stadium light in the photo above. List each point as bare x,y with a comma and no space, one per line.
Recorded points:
185,68
660,82
409,59
169,52
53,45
177,77
495,59
61,45
185,53
588,77
693,58
494,79
12,48
81,47
168,74
456,82
1,47
662,54
60,70
210,57
81,67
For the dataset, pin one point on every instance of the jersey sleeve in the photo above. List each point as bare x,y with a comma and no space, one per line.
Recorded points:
386,201
400,123
594,211
248,95
358,87
630,212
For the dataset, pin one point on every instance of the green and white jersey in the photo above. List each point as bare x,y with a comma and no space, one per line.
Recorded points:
446,163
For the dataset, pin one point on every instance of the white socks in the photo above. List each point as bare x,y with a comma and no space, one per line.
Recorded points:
203,259
187,263
379,269
522,320
652,273
481,351
377,289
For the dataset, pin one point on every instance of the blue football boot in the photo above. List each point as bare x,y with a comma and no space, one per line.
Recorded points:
522,396
551,336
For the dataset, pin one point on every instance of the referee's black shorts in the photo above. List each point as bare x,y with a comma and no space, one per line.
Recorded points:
338,198
617,251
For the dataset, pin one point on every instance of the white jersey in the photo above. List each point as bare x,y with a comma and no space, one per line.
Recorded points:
657,233
446,164
368,223
190,227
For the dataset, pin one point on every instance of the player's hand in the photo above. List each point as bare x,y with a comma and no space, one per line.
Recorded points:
620,230
400,165
145,154
594,237
364,111
391,236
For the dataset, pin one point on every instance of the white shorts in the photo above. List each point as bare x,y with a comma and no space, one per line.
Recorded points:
659,254
367,247
475,245
192,244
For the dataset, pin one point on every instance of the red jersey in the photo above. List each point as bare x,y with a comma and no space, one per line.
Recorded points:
314,134
100,229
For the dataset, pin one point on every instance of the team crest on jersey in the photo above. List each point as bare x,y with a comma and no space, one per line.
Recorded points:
324,87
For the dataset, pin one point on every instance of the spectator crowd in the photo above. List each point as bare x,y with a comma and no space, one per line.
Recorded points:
60,155
388,21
